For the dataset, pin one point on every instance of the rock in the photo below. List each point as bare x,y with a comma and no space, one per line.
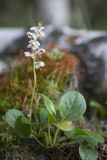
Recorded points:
3,67
12,41
8,36
92,52
55,37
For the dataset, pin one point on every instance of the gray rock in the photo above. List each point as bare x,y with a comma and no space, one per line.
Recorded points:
92,52
3,67
12,40
8,36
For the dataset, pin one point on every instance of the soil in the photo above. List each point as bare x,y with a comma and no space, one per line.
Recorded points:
31,151
102,151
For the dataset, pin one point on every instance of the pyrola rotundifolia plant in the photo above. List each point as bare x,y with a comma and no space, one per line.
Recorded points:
53,125
34,53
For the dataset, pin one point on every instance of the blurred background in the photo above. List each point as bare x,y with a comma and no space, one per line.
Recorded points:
90,14
78,26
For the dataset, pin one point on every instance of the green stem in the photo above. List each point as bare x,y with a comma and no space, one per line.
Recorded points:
55,137
49,135
34,87
37,139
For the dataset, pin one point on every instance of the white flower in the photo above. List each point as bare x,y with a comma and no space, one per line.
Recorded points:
42,28
41,51
27,54
38,30
39,64
37,43
34,29
31,35
33,46
29,46
34,42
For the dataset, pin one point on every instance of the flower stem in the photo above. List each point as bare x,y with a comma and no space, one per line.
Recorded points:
34,87
55,137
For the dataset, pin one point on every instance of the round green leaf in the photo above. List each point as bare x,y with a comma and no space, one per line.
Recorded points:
64,125
23,127
11,116
87,153
72,106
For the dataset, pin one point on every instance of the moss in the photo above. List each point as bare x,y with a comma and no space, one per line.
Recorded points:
16,85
